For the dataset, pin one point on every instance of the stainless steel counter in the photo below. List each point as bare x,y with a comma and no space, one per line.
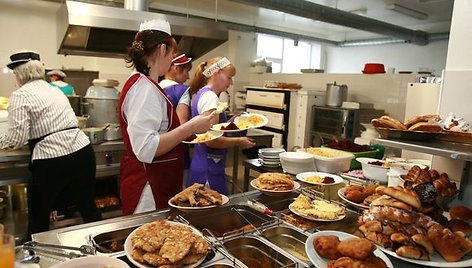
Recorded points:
80,234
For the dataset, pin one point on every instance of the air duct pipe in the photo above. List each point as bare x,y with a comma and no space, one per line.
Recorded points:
326,14
137,5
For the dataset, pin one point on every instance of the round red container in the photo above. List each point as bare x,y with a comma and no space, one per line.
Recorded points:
374,68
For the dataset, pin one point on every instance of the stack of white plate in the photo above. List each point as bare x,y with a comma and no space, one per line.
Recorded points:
270,156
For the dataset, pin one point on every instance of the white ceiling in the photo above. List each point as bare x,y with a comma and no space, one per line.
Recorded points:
439,15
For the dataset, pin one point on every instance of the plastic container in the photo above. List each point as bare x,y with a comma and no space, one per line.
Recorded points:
331,160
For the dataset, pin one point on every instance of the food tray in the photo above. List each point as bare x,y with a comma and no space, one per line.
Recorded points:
407,134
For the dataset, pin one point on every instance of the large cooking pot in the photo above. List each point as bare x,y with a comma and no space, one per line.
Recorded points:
96,134
101,103
335,94
76,104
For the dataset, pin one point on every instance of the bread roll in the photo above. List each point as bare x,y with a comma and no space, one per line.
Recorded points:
388,201
423,241
384,123
461,213
424,126
459,225
422,118
394,122
399,238
412,252
402,194
451,246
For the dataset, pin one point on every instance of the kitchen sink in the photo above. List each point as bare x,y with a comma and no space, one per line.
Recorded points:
226,221
253,252
288,239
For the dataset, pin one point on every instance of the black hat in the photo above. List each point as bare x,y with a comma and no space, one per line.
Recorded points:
22,57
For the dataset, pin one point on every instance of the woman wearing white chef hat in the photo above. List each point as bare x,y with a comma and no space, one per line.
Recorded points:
152,164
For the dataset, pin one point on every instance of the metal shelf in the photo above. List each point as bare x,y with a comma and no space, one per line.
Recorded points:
446,149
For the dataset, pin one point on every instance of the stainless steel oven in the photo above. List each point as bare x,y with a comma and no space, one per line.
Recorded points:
339,123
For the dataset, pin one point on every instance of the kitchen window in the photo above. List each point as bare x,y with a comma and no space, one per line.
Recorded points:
288,56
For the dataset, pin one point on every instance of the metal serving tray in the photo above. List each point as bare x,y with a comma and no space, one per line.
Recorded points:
223,222
255,253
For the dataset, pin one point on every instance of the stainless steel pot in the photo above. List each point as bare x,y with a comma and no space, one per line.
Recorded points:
113,132
335,94
101,111
76,104
95,134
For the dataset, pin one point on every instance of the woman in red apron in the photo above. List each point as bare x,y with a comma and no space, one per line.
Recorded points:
152,164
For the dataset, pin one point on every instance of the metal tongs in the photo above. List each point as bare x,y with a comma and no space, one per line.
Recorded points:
46,248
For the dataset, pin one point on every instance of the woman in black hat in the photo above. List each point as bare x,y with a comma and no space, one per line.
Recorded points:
62,159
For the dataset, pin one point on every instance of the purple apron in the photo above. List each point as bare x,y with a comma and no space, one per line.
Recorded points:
175,92
208,164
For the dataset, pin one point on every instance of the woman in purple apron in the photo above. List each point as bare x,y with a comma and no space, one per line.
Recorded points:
152,165
208,161
178,93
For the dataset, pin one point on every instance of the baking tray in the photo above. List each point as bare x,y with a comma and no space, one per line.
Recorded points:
386,133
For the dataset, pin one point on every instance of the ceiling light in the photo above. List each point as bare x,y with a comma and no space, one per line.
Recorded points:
407,11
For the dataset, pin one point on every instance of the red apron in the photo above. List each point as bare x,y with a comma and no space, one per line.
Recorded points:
164,174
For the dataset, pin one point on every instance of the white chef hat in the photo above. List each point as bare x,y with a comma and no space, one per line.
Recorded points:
156,24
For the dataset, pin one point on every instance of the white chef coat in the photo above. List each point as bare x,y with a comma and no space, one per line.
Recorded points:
208,101
38,109
145,110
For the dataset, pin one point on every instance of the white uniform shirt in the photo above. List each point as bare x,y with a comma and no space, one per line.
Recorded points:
184,99
38,109
208,101
145,111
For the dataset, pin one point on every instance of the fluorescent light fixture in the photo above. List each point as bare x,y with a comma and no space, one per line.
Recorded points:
407,11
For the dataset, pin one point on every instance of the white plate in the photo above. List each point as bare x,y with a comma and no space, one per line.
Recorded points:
319,261
303,177
216,135
308,217
92,262
296,186
264,122
343,197
129,247
217,127
198,209
436,260
271,152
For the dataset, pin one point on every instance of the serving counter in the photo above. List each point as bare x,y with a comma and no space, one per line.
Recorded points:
267,227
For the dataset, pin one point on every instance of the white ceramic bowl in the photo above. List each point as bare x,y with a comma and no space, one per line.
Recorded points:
330,160
373,172
296,162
